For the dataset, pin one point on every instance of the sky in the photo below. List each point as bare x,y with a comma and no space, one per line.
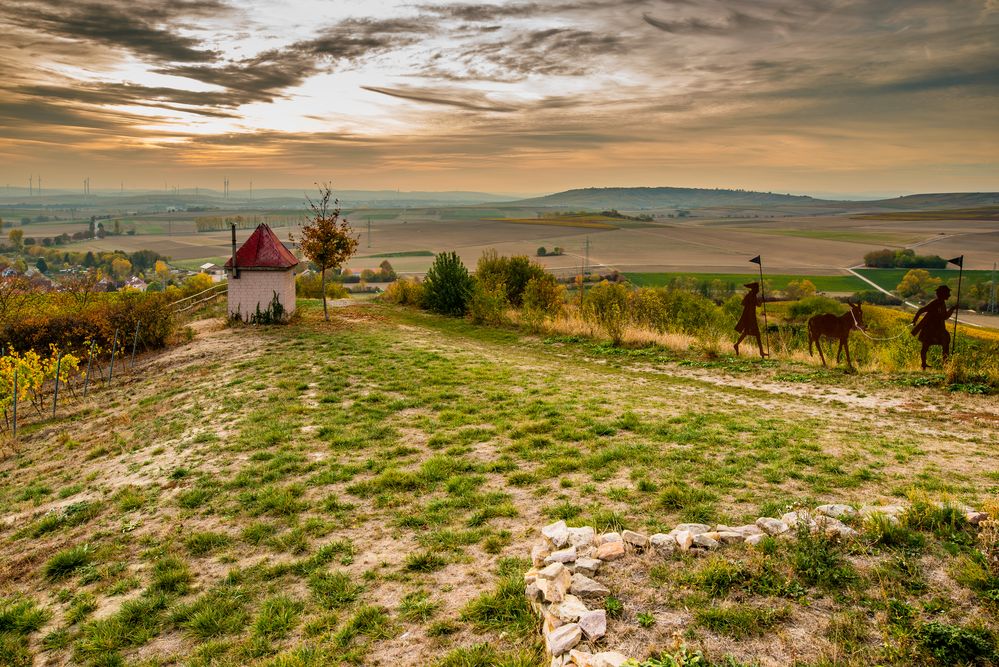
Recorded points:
802,96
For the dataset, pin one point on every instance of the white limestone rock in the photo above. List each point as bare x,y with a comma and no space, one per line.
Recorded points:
609,659
635,539
593,624
663,544
836,511
693,528
585,587
610,551
747,530
557,533
684,539
562,556
705,541
771,526
570,609
538,555
563,639
728,537
588,566
582,537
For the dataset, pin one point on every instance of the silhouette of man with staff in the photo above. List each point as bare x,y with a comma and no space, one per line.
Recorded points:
747,324
932,329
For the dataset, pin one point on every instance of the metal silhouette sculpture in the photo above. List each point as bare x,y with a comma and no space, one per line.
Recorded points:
932,329
747,324
837,327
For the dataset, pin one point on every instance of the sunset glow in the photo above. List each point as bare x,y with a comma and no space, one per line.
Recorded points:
519,97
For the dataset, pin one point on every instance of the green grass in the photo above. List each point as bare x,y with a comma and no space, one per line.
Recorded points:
205,542
67,561
739,620
334,590
777,281
358,470
216,613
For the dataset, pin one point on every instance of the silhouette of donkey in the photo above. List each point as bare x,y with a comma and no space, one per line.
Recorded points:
835,326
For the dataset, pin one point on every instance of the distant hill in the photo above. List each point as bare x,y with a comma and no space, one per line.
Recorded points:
262,198
648,198
937,200
633,199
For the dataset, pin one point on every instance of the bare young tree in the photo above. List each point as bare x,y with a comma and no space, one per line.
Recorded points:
326,238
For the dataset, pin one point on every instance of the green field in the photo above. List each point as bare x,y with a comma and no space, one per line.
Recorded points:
890,278
403,253
849,236
779,281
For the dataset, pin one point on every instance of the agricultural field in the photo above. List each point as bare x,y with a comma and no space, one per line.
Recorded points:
837,284
794,241
366,491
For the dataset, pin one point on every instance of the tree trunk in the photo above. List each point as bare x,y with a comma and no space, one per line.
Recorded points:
326,313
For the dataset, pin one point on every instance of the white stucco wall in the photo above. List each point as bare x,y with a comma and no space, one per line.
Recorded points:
258,287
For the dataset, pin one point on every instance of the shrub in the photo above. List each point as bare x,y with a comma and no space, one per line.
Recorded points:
59,322
801,310
817,559
876,298
543,298
675,310
956,645
488,303
448,286
606,305
512,272
796,290
309,286
917,283
405,292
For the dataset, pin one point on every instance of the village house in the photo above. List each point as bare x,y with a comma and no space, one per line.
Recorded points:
261,270
216,272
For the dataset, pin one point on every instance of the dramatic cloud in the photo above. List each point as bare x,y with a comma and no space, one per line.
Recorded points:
142,27
513,95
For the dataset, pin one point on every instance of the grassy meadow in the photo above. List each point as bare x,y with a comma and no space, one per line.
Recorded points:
366,491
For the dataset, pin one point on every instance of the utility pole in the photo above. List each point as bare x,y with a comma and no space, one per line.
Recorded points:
31,185
39,185
586,266
369,232
992,297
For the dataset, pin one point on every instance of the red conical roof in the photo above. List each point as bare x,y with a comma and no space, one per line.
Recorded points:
263,250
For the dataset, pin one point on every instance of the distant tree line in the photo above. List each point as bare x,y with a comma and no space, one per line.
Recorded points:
903,259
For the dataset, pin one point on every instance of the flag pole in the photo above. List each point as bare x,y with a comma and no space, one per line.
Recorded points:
957,307
763,295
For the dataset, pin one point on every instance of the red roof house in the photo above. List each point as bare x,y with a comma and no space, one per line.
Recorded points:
263,251
264,275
